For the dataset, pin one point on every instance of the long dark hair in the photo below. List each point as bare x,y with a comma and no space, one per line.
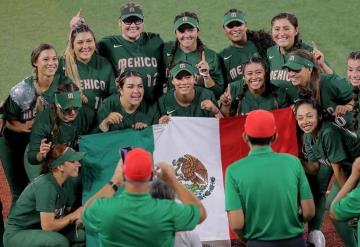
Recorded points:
294,22
55,152
355,55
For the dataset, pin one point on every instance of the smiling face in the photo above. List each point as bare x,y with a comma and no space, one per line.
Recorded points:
184,83
353,72
71,169
307,118
283,33
131,28
47,63
84,46
254,76
236,32
68,115
187,36
300,78
132,92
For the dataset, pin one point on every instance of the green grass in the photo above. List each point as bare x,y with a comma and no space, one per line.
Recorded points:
332,24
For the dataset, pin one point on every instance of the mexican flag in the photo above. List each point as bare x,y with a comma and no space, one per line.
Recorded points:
200,149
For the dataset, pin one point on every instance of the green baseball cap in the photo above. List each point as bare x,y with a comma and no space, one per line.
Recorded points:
182,66
234,16
129,11
68,100
295,62
68,155
186,20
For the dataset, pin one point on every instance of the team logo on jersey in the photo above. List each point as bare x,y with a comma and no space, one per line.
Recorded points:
192,173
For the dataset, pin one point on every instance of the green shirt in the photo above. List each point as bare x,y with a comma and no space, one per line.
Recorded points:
278,75
169,106
273,99
349,207
334,145
143,55
112,104
192,58
69,131
96,77
267,186
233,57
139,220
23,108
42,195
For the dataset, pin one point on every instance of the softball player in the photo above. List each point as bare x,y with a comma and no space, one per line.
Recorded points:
254,92
186,99
244,44
188,47
286,35
44,215
26,99
329,148
92,73
353,73
333,92
122,111
63,123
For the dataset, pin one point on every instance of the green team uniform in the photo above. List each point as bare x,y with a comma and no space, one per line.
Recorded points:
278,75
112,104
134,219
275,99
283,174
233,57
69,132
334,145
349,207
192,58
169,106
97,79
143,55
44,194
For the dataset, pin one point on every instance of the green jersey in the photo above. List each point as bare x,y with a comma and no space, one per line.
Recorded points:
44,194
143,55
134,219
112,104
283,176
349,207
193,58
334,145
233,57
278,75
274,98
20,104
168,104
96,77
69,132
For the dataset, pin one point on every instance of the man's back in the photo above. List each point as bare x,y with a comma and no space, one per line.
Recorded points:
268,187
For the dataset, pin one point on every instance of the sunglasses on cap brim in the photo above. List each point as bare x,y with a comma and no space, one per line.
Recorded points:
69,110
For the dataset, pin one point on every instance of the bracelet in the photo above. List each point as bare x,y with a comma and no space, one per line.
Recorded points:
113,185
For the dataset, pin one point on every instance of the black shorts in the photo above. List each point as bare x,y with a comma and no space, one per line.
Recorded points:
297,241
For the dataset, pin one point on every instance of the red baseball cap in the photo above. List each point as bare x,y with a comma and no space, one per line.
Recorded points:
138,165
260,124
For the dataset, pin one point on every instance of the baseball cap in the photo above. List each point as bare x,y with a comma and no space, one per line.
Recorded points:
186,20
130,10
260,124
138,165
69,154
182,66
295,62
66,100
234,16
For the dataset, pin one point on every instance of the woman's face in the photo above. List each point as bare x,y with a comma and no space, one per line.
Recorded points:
133,90
67,115
131,28
84,46
47,63
353,72
187,36
300,78
307,118
71,169
236,31
254,76
184,83
283,33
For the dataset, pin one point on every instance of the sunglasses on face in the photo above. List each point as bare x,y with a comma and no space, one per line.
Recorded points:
294,71
129,21
234,24
68,111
